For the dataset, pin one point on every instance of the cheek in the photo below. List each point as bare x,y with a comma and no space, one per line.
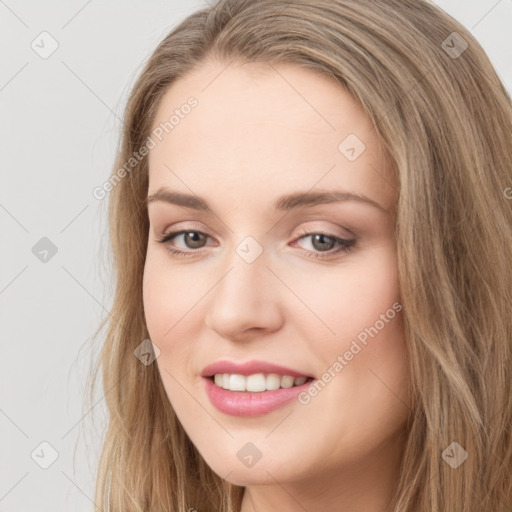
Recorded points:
174,312
169,312
363,350
167,298
165,309
348,299
156,298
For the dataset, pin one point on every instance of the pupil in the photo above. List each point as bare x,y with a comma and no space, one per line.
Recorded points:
194,237
322,238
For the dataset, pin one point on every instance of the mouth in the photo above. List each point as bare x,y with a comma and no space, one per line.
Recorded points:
249,396
257,383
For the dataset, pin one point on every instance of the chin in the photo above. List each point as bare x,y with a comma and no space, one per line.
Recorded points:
260,473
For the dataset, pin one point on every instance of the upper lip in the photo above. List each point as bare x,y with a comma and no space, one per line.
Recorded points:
249,368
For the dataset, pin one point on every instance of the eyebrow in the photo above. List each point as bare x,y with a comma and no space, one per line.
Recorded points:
287,202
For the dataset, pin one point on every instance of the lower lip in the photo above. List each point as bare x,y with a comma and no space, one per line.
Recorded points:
246,403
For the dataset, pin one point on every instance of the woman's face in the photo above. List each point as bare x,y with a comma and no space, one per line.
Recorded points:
255,286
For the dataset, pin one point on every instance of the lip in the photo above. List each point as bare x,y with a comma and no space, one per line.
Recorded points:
245,403
250,368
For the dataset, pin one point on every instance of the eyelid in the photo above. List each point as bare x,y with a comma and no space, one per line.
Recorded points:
345,245
310,228
182,226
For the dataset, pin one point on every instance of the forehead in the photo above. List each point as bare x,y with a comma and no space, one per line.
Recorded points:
259,130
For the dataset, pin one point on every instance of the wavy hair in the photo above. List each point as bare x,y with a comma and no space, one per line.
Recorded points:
445,119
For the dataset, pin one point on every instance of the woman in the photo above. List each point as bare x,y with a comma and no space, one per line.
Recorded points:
272,371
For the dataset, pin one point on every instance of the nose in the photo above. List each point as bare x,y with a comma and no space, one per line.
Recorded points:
245,301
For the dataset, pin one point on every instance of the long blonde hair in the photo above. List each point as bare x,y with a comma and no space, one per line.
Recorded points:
445,119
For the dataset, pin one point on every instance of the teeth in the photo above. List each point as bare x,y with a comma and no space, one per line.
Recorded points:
257,382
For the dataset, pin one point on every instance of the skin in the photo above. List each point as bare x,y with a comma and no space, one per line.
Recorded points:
258,132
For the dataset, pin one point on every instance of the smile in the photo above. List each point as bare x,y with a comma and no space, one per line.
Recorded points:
253,403
257,382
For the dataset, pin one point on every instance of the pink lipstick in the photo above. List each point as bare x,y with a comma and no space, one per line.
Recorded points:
253,388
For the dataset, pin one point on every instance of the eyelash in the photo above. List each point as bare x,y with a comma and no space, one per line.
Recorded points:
344,245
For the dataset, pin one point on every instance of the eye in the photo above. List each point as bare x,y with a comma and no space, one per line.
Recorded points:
323,243
194,239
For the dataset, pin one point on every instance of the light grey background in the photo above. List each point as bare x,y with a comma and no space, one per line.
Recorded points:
59,127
